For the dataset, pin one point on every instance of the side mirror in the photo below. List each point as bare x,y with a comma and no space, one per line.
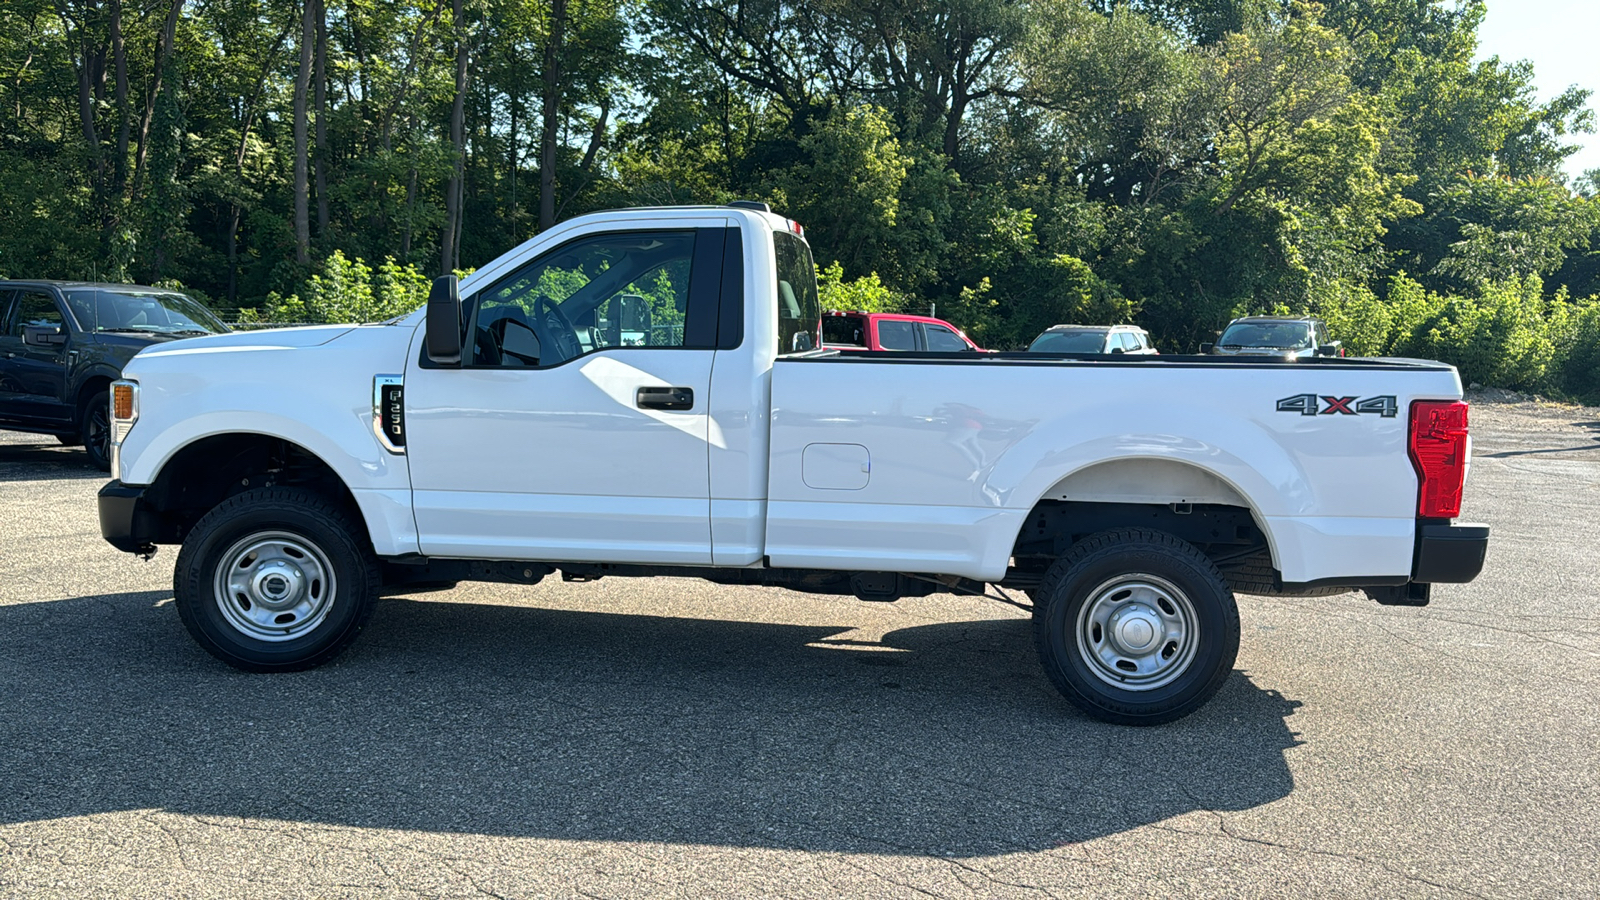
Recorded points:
1117,350
1206,348
444,322
44,335
1328,350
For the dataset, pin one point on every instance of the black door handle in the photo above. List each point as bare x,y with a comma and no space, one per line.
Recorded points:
665,398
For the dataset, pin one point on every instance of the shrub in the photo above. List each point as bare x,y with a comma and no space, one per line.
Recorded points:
348,290
1507,334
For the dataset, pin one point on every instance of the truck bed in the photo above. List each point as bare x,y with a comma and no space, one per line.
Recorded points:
931,462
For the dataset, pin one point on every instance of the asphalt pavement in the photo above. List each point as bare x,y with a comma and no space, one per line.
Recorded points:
674,738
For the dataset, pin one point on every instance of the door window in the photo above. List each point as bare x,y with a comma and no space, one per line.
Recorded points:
942,339
896,335
622,289
34,309
1130,342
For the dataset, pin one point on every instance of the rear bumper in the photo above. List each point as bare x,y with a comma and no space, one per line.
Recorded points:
126,521
1449,554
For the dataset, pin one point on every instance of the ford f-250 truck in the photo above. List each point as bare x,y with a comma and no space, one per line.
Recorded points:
508,431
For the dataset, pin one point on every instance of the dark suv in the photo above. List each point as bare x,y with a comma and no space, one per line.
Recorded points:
62,343
1289,336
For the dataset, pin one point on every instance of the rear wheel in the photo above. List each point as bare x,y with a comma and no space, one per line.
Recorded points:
1136,627
94,429
275,579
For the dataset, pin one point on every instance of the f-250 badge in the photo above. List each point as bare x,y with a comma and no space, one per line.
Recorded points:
1320,405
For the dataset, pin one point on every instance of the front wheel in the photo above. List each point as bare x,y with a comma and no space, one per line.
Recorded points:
94,428
1136,627
275,580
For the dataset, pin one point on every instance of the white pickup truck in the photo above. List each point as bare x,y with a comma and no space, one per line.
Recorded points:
640,392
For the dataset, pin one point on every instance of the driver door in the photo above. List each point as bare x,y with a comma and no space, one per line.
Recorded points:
576,428
33,373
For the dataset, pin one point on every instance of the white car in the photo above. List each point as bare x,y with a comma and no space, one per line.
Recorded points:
501,436
1108,339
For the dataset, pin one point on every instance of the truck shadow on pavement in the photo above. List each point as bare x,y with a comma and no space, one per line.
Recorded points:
523,721
41,461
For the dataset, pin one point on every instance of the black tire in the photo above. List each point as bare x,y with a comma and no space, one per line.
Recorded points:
94,429
326,580
1135,585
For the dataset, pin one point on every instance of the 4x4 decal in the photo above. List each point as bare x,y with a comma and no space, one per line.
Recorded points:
1321,405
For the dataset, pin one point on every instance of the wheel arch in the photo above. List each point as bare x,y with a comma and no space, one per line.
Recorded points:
98,379
1175,496
208,470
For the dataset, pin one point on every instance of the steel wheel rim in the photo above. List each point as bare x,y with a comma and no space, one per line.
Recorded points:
274,586
1137,632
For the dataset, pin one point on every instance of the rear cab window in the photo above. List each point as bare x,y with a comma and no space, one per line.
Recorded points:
850,331
799,309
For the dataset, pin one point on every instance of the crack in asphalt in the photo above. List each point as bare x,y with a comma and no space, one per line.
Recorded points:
1564,678
1226,830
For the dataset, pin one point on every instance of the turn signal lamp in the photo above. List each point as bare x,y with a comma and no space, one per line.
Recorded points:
124,412
122,400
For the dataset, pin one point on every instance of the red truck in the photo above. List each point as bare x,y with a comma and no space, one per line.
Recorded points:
892,331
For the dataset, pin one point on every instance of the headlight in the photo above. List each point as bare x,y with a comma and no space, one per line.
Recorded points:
124,412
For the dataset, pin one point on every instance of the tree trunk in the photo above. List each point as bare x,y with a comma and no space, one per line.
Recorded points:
119,57
302,85
163,51
551,100
235,211
322,118
411,202
514,98
450,253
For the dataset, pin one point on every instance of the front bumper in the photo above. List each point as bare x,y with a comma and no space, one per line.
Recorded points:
1449,554
126,521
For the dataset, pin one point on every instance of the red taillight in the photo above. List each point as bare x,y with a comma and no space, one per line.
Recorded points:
1439,452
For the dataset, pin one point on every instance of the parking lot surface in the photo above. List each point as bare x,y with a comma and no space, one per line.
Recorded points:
675,738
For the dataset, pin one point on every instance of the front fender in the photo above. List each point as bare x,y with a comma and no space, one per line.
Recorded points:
318,397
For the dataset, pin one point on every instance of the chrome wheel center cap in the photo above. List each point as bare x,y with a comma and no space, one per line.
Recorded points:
277,584
1136,628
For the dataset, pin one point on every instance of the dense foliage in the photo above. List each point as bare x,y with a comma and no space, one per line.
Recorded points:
1009,163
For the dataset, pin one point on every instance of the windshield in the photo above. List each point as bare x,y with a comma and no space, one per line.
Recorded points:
1069,342
845,330
134,311
1266,336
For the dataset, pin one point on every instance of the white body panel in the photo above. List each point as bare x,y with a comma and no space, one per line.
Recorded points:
869,464
960,451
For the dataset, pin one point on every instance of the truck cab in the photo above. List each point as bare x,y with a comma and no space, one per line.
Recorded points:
857,330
